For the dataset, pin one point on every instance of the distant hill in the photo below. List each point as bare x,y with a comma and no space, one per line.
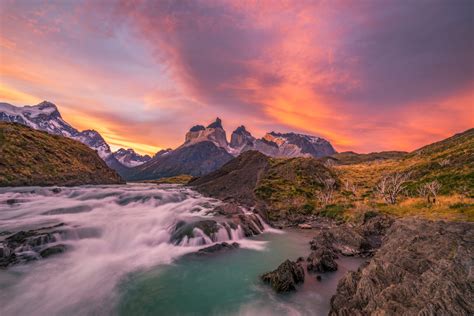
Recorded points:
196,160
350,157
450,162
31,157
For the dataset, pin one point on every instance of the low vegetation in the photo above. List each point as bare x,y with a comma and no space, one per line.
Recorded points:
31,157
435,182
181,179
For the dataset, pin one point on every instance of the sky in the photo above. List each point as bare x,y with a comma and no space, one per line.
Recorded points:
366,75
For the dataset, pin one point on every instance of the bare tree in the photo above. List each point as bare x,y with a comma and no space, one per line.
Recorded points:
350,187
464,192
433,189
390,186
329,163
326,195
430,191
423,192
444,163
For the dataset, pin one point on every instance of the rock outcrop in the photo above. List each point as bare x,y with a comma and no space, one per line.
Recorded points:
285,277
25,246
214,133
422,268
217,248
236,180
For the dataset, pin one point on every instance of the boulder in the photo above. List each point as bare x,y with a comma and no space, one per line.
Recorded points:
224,246
322,260
53,250
25,246
285,277
183,229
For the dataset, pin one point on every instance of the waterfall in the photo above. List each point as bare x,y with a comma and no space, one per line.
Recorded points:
109,232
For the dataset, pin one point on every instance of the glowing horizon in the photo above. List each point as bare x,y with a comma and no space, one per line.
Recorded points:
365,76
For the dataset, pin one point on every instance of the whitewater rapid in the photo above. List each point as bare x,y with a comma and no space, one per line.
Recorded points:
109,231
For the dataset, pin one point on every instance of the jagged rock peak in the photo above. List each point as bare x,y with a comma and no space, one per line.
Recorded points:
197,128
216,124
241,138
128,157
241,130
46,104
163,152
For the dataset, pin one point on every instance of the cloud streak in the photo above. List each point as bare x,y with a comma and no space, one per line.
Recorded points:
368,76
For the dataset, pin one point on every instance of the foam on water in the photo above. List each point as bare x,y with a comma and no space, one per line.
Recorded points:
110,231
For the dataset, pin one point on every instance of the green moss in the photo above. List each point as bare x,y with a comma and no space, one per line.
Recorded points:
334,211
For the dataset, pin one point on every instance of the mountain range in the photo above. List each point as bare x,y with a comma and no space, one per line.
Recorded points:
204,150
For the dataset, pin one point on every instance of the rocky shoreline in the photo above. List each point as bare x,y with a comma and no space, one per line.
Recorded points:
422,267
413,266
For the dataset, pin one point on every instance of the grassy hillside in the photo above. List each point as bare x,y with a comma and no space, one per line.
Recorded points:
31,157
289,189
283,188
449,162
349,157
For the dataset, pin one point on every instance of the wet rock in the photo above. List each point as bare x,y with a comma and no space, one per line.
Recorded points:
348,240
218,248
322,260
228,209
56,249
25,246
285,277
422,268
305,226
12,201
250,224
183,229
56,190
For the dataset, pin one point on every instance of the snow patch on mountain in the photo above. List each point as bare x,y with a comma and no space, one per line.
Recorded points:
129,158
46,117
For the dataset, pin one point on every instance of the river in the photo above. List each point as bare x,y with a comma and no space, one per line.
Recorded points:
120,261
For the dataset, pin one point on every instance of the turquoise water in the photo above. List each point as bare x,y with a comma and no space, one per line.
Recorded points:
228,283
120,260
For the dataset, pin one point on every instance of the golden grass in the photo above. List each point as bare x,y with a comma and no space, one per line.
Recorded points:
450,208
181,179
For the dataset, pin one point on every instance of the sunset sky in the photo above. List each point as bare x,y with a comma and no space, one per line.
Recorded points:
366,75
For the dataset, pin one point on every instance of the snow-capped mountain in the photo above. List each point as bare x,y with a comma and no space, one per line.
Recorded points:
163,152
129,158
43,116
297,145
272,144
46,117
281,145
